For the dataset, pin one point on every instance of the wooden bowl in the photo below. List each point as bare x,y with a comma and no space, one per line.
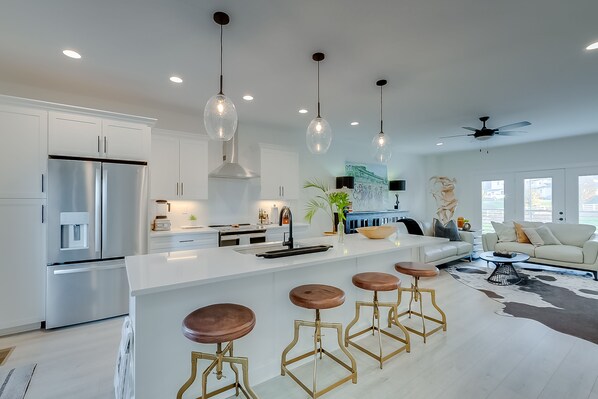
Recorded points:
377,232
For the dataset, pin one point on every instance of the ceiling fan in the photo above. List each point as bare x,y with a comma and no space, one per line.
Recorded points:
486,133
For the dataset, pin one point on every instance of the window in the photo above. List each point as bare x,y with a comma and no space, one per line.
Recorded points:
537,199
588,199
493,203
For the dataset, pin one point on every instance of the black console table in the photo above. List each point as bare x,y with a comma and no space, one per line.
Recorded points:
355,220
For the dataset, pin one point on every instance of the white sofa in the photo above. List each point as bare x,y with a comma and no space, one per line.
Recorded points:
579,249
439,254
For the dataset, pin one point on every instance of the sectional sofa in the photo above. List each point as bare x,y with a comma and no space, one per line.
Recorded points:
578,249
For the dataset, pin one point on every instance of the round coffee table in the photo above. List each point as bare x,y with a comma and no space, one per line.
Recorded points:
504,273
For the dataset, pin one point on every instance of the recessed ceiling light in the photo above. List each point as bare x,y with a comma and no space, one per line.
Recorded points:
248,98
71,54
440,143
303,111
592,46
354,123
176,79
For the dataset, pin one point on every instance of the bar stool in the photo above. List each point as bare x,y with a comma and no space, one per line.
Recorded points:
218,324
417,270
373,281
318,297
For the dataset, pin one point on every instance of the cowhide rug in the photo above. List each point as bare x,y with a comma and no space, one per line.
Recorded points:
564,300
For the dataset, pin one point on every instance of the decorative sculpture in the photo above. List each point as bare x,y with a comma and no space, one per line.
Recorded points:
443,191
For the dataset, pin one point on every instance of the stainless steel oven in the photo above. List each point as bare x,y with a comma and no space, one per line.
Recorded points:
240,234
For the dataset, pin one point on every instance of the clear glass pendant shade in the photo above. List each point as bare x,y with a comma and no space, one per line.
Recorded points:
381,148
220,118
318,136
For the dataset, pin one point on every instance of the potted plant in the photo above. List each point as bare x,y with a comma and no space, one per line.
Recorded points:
192,220
327,201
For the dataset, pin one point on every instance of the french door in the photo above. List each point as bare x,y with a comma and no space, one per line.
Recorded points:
540,196
582,195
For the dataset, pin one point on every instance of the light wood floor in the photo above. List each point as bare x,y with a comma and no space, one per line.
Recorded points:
482,355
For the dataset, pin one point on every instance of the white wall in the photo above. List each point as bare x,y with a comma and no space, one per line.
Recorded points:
470,167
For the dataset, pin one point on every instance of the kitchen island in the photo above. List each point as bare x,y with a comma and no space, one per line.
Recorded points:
165,287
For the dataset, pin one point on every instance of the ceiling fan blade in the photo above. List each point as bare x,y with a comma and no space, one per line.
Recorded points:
473,129
456,135
510,133
514,125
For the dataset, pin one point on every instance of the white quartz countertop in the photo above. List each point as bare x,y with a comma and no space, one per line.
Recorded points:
173,270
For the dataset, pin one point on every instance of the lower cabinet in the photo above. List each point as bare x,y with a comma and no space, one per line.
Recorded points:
182,242
23,268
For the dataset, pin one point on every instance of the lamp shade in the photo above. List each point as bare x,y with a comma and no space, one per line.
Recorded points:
396,185
345,181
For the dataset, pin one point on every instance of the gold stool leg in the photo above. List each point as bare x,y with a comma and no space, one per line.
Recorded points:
234,368
442,314
186,385
286,351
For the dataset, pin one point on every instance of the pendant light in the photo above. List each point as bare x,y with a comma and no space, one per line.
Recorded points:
319,134
220,115
380,143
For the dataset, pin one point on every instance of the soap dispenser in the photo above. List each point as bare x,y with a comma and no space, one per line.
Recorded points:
274,213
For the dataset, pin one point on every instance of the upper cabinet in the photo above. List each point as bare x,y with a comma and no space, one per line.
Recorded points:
23,152
88,136
279,173
179,167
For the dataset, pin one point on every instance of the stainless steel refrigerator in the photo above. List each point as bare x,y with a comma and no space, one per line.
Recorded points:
97,215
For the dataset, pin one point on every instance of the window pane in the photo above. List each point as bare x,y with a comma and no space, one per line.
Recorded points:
537,197
493,203
588,200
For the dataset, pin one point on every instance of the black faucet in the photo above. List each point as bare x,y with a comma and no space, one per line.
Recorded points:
287,210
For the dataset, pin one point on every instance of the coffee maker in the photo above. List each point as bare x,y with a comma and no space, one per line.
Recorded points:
161,222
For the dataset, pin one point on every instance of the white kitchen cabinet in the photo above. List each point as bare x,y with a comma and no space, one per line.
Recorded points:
126,140
279,173
80,135
182,242
23,152
23,268
179,168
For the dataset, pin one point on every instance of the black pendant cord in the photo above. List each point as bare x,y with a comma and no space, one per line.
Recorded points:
319,89
221,93
381,122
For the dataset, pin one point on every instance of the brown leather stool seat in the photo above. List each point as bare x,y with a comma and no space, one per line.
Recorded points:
218,323
373,281
317,296
417,269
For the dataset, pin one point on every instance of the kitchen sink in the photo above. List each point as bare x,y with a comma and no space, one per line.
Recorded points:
279,253
260,248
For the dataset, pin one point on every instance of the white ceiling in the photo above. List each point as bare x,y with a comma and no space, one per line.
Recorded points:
447,62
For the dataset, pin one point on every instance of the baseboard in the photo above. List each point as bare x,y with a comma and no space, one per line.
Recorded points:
19,329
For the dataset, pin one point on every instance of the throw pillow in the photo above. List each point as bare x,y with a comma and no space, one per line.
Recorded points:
413,226
547,236
504,231
521,237
533,236
446,231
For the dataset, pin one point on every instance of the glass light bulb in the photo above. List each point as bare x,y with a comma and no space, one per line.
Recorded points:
380,148
318,136
220,118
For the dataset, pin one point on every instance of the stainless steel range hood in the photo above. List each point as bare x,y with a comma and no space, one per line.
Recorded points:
230,168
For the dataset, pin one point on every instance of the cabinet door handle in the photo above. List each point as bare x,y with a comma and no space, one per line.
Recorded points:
280,191
43,188
283,191
105,145
177,189
185,240
43,214
182,189
98,144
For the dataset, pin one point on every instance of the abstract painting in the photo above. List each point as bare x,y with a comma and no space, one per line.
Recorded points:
370,192
443,191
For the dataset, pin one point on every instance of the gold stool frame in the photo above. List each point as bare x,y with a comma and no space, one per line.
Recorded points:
318,325
373,328
416,295
217,360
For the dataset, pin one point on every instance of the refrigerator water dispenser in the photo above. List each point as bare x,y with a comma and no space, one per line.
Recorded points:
74,230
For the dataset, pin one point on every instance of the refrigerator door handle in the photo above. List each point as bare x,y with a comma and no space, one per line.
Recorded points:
98,210
88,269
